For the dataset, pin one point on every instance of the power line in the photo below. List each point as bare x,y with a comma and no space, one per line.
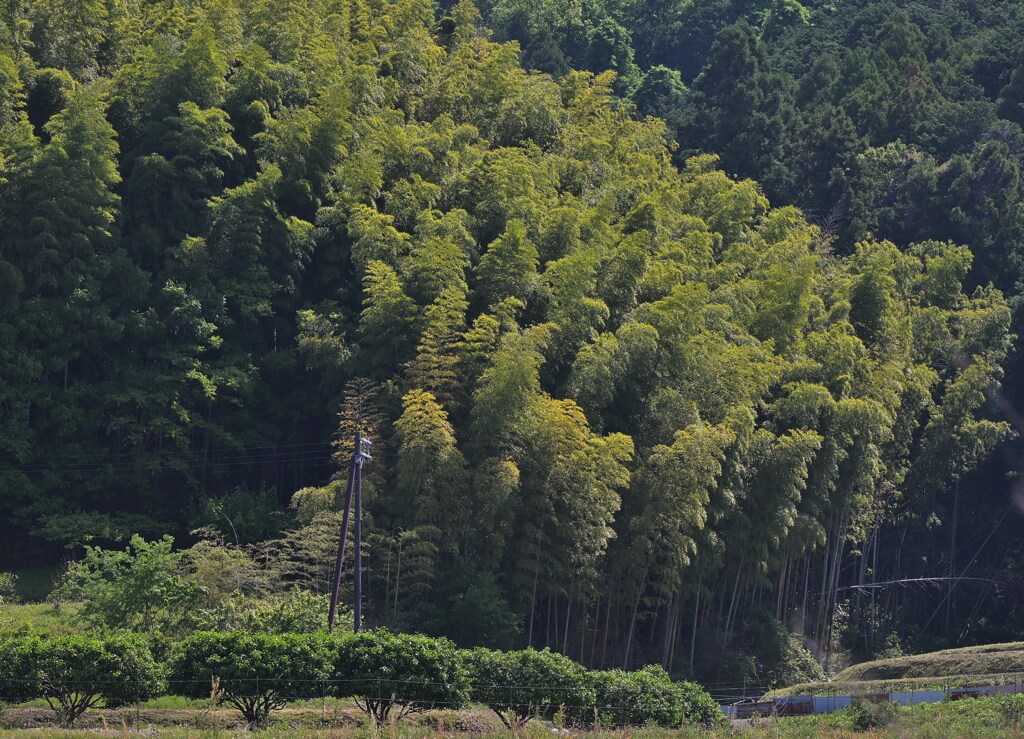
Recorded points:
189,458
267,447
949,592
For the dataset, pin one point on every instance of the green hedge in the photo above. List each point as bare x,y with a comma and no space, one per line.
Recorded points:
640,698
521,685
650,697
389,676
75,673
699,708
384,671
255,673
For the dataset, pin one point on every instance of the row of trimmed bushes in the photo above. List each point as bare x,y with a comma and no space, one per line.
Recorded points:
389,675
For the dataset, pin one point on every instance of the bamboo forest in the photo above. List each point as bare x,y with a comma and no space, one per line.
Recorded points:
685,331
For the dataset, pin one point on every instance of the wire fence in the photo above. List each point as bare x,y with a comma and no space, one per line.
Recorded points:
532,699
828,698
541,698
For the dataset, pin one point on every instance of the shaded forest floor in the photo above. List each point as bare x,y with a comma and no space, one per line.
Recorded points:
984,717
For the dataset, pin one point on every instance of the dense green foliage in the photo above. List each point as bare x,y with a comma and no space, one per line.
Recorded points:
254,672
137,589
648,697
519,686
635,411
258,673
640,698
385,671
880,120
8,588
76,673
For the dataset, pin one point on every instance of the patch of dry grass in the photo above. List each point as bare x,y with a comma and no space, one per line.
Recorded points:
989,664
981,660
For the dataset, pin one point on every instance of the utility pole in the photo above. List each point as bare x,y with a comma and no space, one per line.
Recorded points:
360,454
359,538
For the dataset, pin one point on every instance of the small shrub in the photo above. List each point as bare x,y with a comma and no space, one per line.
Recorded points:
76,673
8,588
518,686
137,589
798,664
640,698
384,671
864,715
699,708
222,570
296,612
1012,709
254,673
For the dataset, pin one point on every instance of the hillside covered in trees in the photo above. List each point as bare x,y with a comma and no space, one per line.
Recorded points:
626,402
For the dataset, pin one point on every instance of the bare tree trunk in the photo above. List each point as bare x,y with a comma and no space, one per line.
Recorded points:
398,577
952,559
666,638
792,567
834,586
693,629
862,573
597,625
387,577
568,610
547,626
536,576
874,578
781,586
555,622
676,626
632,621
607,625
732,603
826,551
583,635
807,591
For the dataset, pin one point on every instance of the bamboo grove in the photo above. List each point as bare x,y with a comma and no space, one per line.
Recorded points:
622,406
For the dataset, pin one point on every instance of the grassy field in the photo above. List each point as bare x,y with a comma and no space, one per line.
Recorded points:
40,616
908,685
982,718
983,660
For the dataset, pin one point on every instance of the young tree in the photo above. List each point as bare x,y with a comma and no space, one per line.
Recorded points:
139,588
647,696
519,686
384,671
436,367
76,673
253,672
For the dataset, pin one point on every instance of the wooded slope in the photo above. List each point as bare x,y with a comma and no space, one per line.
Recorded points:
620,407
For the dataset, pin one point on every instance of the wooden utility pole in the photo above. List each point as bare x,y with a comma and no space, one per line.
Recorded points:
360,454
359,542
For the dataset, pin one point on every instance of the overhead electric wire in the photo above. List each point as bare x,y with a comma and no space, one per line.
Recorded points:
188,458
924,629
316,453
238,448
